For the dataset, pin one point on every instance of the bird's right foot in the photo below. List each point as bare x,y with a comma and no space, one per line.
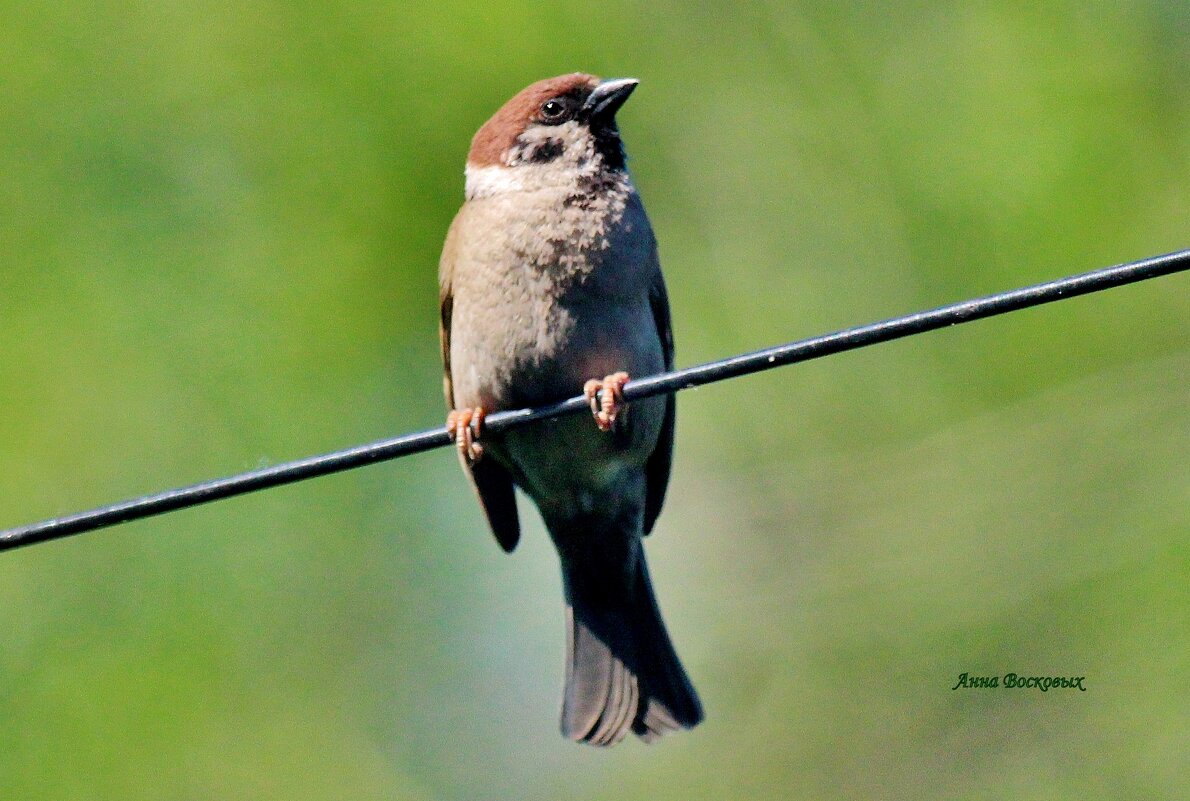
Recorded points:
465,427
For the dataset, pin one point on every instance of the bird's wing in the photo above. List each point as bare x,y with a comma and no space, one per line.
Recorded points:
657,468
493,485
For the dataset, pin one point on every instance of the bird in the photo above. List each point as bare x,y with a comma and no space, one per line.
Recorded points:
550,283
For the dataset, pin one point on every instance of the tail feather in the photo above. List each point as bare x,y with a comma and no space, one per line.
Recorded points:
622,673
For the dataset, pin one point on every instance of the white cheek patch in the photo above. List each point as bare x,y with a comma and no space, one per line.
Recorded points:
569,140
553,157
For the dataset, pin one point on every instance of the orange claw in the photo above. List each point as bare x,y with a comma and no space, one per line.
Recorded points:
465,427
606,398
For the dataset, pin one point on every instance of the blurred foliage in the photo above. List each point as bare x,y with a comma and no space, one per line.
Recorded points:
219,242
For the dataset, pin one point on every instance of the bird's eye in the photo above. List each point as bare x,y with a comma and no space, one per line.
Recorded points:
555,110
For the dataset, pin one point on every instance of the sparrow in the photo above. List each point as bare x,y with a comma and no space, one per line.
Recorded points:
550,285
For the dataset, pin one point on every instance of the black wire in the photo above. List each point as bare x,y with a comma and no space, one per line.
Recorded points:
803,350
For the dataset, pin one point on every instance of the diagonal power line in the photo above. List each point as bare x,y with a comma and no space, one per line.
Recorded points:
733,367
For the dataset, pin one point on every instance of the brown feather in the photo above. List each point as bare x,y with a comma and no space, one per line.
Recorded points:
492,483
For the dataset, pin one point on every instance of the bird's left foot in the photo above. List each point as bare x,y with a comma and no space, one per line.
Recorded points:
606,398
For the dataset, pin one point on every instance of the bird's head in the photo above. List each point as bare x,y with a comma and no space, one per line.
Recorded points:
551,134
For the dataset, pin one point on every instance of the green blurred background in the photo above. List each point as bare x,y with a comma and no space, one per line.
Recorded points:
219,232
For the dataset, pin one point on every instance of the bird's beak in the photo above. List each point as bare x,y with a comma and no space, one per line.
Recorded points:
606,98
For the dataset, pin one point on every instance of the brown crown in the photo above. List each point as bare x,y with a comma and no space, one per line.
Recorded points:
499,133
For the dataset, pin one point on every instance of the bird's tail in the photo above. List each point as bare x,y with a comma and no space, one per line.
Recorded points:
622,673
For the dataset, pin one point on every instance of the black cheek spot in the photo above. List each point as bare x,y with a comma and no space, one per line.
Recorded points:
547,151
